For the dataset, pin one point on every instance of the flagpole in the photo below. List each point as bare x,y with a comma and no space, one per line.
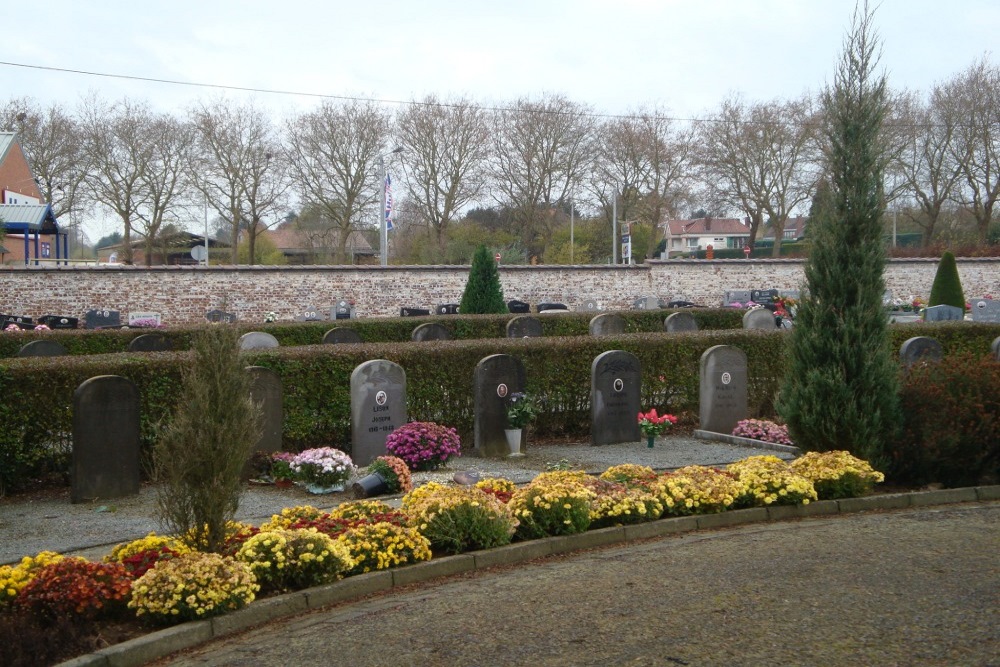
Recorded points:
383,220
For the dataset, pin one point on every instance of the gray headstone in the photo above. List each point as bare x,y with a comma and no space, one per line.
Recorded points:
995,348
265,388
607,324
677,322
615,398
151,342
41,348
740,296
430,331
257,340
95,319
496,378
220,316
311,314
887,298
943,313
759,318
588,305
723,388
446,309
341,335
524,326
342,310
985,310
646,303
378,407
920,348
105,461
763,296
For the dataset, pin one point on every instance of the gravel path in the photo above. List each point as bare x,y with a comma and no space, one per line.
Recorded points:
33,523
911,587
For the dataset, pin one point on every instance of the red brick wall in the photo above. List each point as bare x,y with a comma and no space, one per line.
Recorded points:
184,294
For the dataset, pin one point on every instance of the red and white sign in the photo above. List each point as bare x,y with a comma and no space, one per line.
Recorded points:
497,257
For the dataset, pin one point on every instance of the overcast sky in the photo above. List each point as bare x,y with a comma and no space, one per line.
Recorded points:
613,55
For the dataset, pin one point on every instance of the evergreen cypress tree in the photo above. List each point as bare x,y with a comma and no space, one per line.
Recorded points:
200,458
483,293
947,287
841,389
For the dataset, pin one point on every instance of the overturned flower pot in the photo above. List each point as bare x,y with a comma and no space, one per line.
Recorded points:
370,486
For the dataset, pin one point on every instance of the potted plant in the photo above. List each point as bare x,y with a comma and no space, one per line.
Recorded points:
521,411
653,425
323,469
424,445
281,469
386,474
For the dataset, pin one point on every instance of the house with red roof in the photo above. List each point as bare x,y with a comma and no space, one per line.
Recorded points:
32,231
685,236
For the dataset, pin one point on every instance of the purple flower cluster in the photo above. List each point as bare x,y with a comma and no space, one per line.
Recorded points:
424,445
761,429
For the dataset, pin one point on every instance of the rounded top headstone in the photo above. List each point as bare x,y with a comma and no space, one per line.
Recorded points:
257,340
341,335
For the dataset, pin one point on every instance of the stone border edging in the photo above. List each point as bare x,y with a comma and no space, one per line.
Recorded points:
746,442
161,643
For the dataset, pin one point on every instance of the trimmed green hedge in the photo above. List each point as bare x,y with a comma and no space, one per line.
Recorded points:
372,330
36,414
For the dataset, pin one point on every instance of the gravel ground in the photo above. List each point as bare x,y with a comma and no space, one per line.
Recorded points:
911,587
36,522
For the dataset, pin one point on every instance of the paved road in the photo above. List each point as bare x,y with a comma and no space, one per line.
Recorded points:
912,587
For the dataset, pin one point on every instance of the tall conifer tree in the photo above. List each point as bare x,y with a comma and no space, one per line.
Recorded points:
841,390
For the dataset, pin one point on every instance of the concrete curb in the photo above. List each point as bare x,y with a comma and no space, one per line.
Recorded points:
155,645
746,442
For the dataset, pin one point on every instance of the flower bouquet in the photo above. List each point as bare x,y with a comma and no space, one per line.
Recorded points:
281,468
323,469
653,425
386,474
424,445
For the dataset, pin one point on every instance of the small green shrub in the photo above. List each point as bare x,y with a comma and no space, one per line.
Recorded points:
554,503
459,519
483,293
951,430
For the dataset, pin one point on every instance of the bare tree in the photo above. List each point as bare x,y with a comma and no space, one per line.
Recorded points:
333,155
923,153
445,150
50,138
165,179
975,96
541,148
240,168
643,159
118,145
758,158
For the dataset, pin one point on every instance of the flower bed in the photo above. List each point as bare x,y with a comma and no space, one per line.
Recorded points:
305,546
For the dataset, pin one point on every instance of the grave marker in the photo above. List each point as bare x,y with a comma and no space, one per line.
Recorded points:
105,459
150,342
943,313
763,296
985,310
430,331
679,322
311,314
59,322
257,340
759,318
615,388
995,348
342,310
607,324
378,407
447,309
524,326
548,307
413,312
217,316
144,319
740,296
341,335
920,348
646,303
518,307
496,377
588,305
41,348
265,389
723,388
101,319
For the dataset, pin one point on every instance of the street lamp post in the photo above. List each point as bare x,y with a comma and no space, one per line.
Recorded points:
383,226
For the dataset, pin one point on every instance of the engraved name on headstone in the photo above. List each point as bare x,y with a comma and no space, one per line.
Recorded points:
378,407
615,394
723,388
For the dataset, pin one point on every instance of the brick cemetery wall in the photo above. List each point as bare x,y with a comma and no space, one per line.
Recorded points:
182,295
